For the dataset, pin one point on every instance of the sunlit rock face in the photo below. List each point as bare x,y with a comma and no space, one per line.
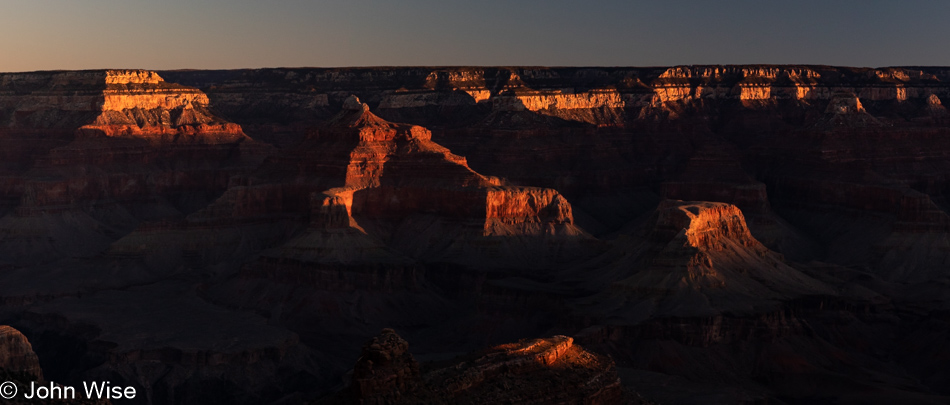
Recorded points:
590,95
703,261
553,112
99,151
706,226
139,104
99,99
536,371
395,172
717,241
127,104
378,192
728,234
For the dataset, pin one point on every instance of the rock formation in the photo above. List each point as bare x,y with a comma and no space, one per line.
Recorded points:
537,371
113,139
385,373
20,366
17,356
707,262
364,181
749,233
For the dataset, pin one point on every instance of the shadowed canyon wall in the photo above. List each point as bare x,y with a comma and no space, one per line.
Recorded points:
708,234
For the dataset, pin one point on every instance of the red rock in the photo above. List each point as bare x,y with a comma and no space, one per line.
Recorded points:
16,354
699,259
539,371
822,246
379,179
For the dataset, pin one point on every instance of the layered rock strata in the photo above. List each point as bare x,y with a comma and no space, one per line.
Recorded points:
367,184
600,96
810,268
699,259
130,147
17,356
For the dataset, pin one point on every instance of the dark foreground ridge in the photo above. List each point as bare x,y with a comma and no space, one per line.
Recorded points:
691,234
538,371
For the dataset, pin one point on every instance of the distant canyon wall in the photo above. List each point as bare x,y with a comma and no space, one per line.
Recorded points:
598,96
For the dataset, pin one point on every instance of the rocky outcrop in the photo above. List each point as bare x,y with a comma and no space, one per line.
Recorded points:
694,284
20,366
17,356
367,180
124,103
538,371
525,372
385,373
124,140
139,105
727,233
599,96
845,109
731,101
701,260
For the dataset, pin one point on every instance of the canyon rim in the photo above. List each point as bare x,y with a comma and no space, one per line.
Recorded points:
668,235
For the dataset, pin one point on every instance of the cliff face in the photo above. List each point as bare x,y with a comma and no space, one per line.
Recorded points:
599,96
554,113
91,146
726,233
367,180
699,259
111,102
141,105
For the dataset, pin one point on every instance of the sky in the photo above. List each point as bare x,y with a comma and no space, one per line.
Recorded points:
228,34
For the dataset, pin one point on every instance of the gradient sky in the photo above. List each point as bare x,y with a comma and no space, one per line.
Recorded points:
208,34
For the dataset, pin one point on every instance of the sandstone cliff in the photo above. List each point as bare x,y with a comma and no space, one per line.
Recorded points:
366,184
699,259
128,103
106,141
599,96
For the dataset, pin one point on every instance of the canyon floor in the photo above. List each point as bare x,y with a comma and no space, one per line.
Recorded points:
671,235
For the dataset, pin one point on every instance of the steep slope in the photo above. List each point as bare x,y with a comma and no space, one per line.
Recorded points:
148,236
699,259
538,122
388,211
359,212
369,181
137,148
692,299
